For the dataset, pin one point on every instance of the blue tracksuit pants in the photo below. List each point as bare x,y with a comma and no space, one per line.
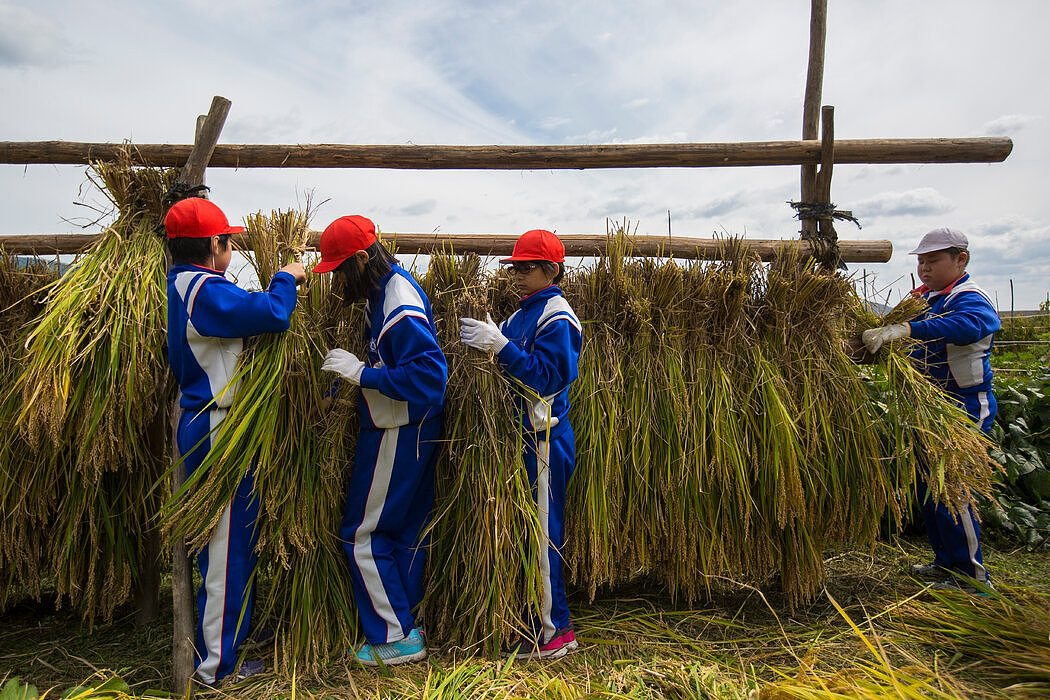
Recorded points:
957,545
390,499
550,465
226,564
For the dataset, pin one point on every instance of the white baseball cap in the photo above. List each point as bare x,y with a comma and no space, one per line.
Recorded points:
941,239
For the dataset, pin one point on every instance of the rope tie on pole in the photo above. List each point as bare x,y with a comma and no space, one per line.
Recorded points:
824,241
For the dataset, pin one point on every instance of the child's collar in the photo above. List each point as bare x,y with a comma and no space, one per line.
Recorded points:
924,290
540,294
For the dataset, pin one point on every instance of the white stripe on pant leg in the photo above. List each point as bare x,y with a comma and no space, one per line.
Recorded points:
363,556
982,399
979,572
215,600
543,501
215,582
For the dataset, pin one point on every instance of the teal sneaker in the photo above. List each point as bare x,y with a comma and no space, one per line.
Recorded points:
411,648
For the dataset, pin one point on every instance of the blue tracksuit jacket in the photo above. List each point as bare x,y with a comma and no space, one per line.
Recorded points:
543,354
957,333
208,318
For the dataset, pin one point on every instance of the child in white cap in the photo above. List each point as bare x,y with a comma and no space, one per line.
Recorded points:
957,336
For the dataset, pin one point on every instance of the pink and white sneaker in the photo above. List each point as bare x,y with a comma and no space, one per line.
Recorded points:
563,642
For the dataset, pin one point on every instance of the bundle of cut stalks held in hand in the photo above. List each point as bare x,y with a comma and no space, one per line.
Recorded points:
924,426
482,584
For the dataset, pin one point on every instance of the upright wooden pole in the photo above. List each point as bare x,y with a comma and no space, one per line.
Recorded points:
147,587
811,105
827,163
182,659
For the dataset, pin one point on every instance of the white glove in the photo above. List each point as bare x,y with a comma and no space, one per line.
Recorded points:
345,364
481,335
875,338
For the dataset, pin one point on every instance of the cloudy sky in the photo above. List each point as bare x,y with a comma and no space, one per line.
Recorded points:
489,72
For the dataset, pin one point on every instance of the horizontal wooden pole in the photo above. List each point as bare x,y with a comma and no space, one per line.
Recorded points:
576,244
653,155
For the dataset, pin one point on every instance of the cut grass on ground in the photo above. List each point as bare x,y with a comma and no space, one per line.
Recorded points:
875,631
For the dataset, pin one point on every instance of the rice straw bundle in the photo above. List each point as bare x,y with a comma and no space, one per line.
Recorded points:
723,431
844,485
483,581
90,386
276,432
27,515
924,424
104,329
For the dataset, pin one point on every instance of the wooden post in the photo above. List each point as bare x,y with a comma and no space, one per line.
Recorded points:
208,129
182,655
147,588
827,154
811,104
826,227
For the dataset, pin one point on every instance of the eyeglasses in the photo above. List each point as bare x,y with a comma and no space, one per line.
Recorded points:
524,268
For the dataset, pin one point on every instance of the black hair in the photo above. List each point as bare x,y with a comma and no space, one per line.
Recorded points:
553,268
194,251
356,283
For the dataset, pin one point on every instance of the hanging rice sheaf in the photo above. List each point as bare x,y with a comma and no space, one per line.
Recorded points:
27,515
92,381
725,435
483,582
294,442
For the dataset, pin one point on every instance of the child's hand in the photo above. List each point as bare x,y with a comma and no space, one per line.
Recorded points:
875,338
296,270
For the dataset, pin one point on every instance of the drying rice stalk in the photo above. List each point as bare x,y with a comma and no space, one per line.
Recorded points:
89,387
483,582
925,426
27,513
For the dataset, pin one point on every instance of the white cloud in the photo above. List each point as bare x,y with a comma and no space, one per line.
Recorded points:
1008,124
551,123
474,72
30,39
923,201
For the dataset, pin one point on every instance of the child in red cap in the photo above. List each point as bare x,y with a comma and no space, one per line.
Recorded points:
539,345
208,319
401,410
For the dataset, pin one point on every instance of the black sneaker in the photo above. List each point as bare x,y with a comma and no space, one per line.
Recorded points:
966,586
259,638
249,668
928,572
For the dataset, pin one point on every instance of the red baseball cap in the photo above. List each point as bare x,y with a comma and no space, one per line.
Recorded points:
196,217
344,237
537,244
